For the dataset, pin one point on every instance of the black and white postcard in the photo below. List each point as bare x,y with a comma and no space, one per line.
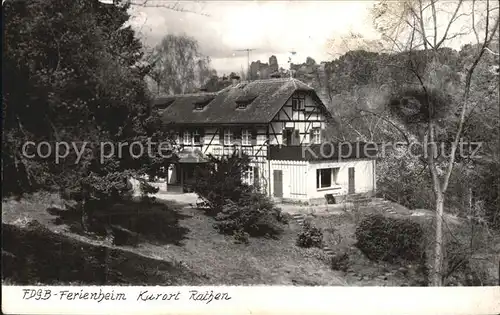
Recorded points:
250,157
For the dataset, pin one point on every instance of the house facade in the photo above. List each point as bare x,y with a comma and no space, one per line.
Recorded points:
280,124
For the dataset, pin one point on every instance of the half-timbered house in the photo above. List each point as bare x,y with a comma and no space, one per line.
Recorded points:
280,124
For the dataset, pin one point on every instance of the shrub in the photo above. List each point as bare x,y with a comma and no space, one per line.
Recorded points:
390,239
340,261
147,189
241,237
460,268
310,236
123,237
254,214
220,180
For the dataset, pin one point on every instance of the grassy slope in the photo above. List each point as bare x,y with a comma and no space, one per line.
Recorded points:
184,239
200,251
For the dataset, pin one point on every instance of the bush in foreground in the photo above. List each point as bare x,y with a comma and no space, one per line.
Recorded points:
340,261
310,236
382,238
253,215
220,181
240,209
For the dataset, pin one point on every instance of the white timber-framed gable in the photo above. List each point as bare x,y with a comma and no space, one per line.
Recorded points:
295,124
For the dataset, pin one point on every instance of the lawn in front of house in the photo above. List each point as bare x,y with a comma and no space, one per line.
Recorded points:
188,240
262,261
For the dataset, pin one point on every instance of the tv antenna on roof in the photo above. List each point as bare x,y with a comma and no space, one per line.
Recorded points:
248,50
292,53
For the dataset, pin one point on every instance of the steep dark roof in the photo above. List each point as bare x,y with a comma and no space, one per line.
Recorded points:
270,95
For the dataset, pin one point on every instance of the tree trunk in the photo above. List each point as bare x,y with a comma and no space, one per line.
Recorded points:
85,220
438,249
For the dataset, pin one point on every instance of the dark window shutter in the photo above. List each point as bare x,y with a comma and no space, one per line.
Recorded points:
296,137
311,136
254,136
221,135
255,176
323,135
202,135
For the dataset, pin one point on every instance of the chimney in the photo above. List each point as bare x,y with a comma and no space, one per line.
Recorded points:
235,79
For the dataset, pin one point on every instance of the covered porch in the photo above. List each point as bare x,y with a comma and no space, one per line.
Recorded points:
182,173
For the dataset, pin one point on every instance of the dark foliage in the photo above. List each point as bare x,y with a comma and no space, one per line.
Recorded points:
240,210
241,237
146,190
129,223
418,106
73,79
382,238
310,236
461,269
253,215
220,180
488,190
340,261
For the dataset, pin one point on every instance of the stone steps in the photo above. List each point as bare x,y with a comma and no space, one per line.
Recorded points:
299,218
327,250
385,205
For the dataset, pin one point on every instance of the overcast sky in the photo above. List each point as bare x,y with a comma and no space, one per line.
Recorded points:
269,27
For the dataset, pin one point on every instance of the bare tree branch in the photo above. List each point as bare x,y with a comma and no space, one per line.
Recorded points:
170,5
452,20
487,39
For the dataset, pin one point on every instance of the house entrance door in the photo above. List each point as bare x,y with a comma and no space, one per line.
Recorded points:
352,186
278,183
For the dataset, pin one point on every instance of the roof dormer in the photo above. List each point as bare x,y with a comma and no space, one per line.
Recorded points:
243,101
202,103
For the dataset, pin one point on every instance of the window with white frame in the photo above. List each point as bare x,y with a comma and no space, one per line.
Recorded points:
248,176
228,136
326,177
316,135
246,137
196,136
186,138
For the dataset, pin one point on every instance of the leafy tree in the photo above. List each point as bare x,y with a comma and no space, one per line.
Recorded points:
73,78
220,180
179,67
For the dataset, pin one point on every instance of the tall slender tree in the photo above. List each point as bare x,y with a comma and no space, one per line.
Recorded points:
414,25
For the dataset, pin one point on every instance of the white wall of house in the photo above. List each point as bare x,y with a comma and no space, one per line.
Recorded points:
300,178
364,180
294,179
211,141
